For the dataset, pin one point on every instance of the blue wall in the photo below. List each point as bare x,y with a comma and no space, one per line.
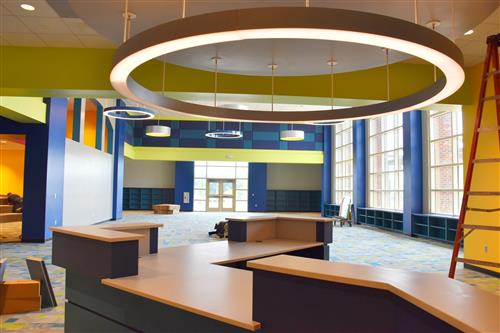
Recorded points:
413,164
118,164
257,187
184,182
326,177
43,170
191,134
359,154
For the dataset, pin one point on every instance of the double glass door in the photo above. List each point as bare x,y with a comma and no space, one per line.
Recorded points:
220,195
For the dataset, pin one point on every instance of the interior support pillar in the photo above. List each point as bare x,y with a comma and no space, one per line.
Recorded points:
118,162
257,187
326,179
412,161
184,185
359,161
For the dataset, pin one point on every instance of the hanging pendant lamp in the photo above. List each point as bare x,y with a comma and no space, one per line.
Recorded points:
159,131
221,133
287,135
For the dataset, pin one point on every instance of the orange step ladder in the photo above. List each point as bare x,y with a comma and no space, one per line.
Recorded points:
491,59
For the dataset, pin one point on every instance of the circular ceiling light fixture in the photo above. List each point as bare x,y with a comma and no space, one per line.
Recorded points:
158,131
27,7
128,112
223,133
292,135
290,23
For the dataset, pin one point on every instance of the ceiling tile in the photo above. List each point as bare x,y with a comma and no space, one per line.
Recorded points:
61,40
45,25
4,11
42,8
96,41
78,27
23,39
494,18
12,24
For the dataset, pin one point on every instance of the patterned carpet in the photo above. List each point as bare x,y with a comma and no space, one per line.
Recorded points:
361,245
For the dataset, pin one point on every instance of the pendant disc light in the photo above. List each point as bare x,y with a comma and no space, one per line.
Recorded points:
159,131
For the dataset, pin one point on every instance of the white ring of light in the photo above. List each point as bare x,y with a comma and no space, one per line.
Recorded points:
139,112
136,52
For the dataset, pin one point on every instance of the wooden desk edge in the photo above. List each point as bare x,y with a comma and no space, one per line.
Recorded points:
456,322
134,226
252,326
279,217
121,237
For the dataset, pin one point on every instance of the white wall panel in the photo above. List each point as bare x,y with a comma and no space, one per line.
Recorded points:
294,176
88,185
154,174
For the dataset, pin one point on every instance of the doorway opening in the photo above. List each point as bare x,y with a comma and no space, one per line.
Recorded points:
12,151
220,186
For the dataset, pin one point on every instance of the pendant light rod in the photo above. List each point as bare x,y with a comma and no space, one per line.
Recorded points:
388,85
183,8
273,68
331,63
307,3
127,17
433,24
415,10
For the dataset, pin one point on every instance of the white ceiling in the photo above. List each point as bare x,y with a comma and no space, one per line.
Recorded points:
43,27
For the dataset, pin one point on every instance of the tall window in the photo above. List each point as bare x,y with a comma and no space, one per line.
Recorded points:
343,161
386,162
445,161
212,170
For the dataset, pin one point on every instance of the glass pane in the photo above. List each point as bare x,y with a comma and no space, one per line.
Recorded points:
221,163
442,152
213,188
213,202
241,184
200,183
221,172
227,203
241,206
242,172
241,195
227,188
441,125
199,194
200,163
200,172
199,205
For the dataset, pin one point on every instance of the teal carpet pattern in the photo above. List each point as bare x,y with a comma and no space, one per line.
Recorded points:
360,245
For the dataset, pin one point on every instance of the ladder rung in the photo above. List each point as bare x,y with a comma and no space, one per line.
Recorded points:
481,227
479,262
492,73
483,193
491,98
485,210
489,129
486,160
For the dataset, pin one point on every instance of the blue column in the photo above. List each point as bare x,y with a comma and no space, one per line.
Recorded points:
98,126
118,162
184,183
360,155
326,179
413,163
77,117
257,187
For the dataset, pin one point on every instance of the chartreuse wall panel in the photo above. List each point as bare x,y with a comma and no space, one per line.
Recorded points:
30,71
23,109
221,154
481,244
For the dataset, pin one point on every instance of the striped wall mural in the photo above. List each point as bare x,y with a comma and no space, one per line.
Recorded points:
191,134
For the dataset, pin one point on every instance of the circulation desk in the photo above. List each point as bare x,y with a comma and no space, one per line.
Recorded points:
253,284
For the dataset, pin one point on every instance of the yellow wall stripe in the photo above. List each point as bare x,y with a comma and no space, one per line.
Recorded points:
23,109
220,154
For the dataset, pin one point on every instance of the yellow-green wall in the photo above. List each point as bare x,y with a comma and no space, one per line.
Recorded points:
486,177
11,171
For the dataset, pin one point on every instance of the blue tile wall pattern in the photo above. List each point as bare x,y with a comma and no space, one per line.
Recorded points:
191,134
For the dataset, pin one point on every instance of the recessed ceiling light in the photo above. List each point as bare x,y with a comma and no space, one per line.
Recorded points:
25,6
469,32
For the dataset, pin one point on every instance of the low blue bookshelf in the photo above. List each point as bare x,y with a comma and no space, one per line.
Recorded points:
135,198
436,227
385,219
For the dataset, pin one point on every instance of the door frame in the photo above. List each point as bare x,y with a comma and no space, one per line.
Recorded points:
221,195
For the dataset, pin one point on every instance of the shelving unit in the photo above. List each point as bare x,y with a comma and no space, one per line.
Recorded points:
385,219
437,227
293,201
143,198
331,210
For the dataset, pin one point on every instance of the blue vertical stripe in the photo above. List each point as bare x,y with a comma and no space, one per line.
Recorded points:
257,187
118,161
77,117
359,154
184,182
326,179
98,126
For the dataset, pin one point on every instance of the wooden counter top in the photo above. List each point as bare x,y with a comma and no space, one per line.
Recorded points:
186,277
253,218
460,305
97,233
130,226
